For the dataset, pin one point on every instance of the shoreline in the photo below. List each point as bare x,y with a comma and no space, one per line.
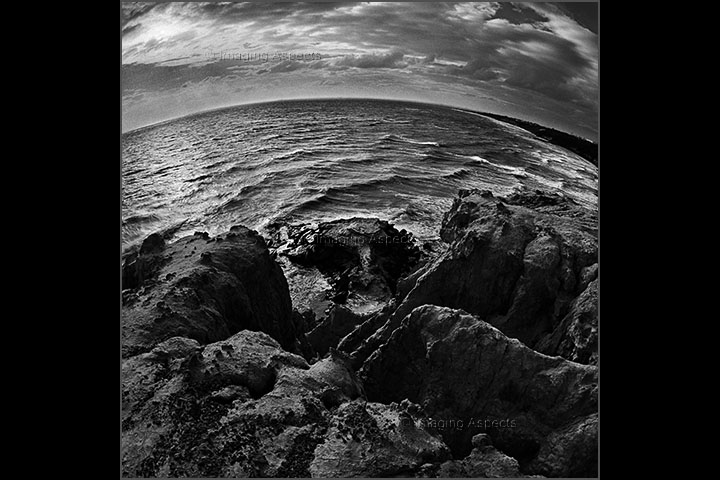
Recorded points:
366,338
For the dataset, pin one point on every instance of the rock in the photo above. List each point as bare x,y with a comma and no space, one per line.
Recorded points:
576,336
485,461
303,323
143,263
570,452
518,262
205,289
461,368
244,407
357,339
372,440
481,440
173,413
339,322
361,258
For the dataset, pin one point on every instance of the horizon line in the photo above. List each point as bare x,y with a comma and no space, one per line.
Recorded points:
262,102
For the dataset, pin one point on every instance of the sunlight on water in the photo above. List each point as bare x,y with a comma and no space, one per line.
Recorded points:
320,160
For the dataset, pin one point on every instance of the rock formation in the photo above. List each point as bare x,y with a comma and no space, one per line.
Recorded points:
203,288
243,407
361,259
465,370
520,263
362,355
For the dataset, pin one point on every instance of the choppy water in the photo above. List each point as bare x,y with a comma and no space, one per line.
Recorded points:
315,160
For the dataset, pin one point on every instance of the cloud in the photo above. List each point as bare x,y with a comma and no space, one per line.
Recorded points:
281,67
129,28
518,14
543,56
131,11
388,60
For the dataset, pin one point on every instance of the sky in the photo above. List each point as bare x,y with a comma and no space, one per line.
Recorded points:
535,61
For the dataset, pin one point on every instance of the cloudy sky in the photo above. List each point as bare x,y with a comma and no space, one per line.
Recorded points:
537,61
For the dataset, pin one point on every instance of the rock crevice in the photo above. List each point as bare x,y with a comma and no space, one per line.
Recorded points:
374,359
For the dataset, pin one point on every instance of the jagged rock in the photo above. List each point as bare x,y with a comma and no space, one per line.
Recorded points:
485,461
143,263
339,322
518,262
570,452
460,368
576,336
303,323
203,288
244,407
373,440
361,258
356,342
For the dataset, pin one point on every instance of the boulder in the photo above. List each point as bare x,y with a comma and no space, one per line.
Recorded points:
372,440
464,370
571,451
485,461
243,407
519,263
203,288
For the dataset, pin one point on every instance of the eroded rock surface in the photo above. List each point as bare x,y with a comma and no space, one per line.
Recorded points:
357,364
243,407
203,288
460,368
361,259
526,264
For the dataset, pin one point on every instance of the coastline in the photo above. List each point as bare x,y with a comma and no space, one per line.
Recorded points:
211,321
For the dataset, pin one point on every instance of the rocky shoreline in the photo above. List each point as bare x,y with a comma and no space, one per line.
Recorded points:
348,349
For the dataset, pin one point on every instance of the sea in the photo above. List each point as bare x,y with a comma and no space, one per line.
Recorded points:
308,161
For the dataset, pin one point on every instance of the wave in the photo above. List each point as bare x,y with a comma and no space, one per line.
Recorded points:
165,169
400,139
136,171
241,199
516,171
140,219
215,164
200,178
380,190
291,154
331,160
459,174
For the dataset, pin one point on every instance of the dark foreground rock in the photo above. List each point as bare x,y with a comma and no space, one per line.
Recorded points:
203,288
462,369
520,263
338,323
243,407
576,336
213,385
360,258
485,461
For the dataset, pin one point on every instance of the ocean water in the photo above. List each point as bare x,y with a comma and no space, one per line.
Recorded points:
318,160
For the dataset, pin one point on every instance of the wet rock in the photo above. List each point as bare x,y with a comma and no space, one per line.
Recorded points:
361,259
458,367
356,342
203,289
